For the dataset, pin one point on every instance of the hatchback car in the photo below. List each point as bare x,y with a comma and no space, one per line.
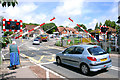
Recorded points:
36,41
86,57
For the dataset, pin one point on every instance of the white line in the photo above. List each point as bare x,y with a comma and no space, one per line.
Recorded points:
47,75
50,71
115,68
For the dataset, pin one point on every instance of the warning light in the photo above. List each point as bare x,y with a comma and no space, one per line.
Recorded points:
8,23
12,27
17,24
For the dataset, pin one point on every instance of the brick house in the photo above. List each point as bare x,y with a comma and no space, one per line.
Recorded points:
35,32
66,31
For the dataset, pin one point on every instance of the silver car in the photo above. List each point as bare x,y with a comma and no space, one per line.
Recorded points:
86,57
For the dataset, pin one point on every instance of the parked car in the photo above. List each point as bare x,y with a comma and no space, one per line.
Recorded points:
36,41
39,38
86,57
44,37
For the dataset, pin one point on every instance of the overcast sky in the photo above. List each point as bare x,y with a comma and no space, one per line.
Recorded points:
81,11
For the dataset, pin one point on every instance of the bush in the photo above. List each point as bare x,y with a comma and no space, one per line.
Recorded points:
58,43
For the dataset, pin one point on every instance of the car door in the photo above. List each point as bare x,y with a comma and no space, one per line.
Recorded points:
65,55
76,56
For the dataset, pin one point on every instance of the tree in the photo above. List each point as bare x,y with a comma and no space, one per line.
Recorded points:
8,3
110,23
89,30
50,26
96,26
117,28
79,29
61,26
100,24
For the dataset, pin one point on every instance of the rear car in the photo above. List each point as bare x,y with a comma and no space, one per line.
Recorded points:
44,37
36,41
86,57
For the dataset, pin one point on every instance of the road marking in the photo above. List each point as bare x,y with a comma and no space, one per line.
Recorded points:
41,58
54,48
33,48
53,59
115,68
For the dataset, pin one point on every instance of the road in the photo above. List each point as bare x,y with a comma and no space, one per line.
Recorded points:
44,54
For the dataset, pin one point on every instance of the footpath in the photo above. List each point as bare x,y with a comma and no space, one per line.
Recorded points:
28,69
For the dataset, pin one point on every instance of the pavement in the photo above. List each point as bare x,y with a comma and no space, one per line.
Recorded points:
29,69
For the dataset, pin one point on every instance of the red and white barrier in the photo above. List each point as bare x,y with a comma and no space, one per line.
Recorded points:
34,28
83,29
10,29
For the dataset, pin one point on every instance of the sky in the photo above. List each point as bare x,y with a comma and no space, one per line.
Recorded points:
87,12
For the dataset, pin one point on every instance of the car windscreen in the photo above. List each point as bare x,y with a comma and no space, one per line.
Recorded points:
44,35
96,51
36,40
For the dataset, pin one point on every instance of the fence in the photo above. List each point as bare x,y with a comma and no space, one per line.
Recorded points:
66,42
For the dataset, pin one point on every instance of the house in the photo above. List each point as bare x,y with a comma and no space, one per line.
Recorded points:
35,32
66,31
96,33
61,31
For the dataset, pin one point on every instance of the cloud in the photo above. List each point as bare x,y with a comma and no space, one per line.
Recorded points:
25,12
92,24
69,8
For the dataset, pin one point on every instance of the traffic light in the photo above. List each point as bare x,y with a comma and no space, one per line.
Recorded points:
104,29
12,25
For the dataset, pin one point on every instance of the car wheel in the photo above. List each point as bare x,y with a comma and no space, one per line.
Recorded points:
58,60
84,69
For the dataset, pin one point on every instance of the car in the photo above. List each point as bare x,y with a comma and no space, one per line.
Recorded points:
39,38
44,37
36,41
88,58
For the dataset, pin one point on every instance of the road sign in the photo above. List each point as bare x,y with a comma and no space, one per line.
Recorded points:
9,25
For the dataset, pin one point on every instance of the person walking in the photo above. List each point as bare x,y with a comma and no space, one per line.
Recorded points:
14,55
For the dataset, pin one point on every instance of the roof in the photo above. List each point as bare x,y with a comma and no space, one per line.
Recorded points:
28,27
110,29
71,29
60,29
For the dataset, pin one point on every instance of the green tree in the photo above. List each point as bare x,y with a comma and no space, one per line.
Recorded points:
117,28
100,24
61,26
96,26
8,3
110,23
50,26
79,29
89,30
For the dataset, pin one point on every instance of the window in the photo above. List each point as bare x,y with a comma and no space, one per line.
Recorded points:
69,51
96,51
64,31
76,31
79,50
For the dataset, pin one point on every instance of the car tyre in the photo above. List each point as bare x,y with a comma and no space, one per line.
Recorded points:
84,69
58,60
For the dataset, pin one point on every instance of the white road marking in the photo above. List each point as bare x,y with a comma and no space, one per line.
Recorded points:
33,48
115,68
